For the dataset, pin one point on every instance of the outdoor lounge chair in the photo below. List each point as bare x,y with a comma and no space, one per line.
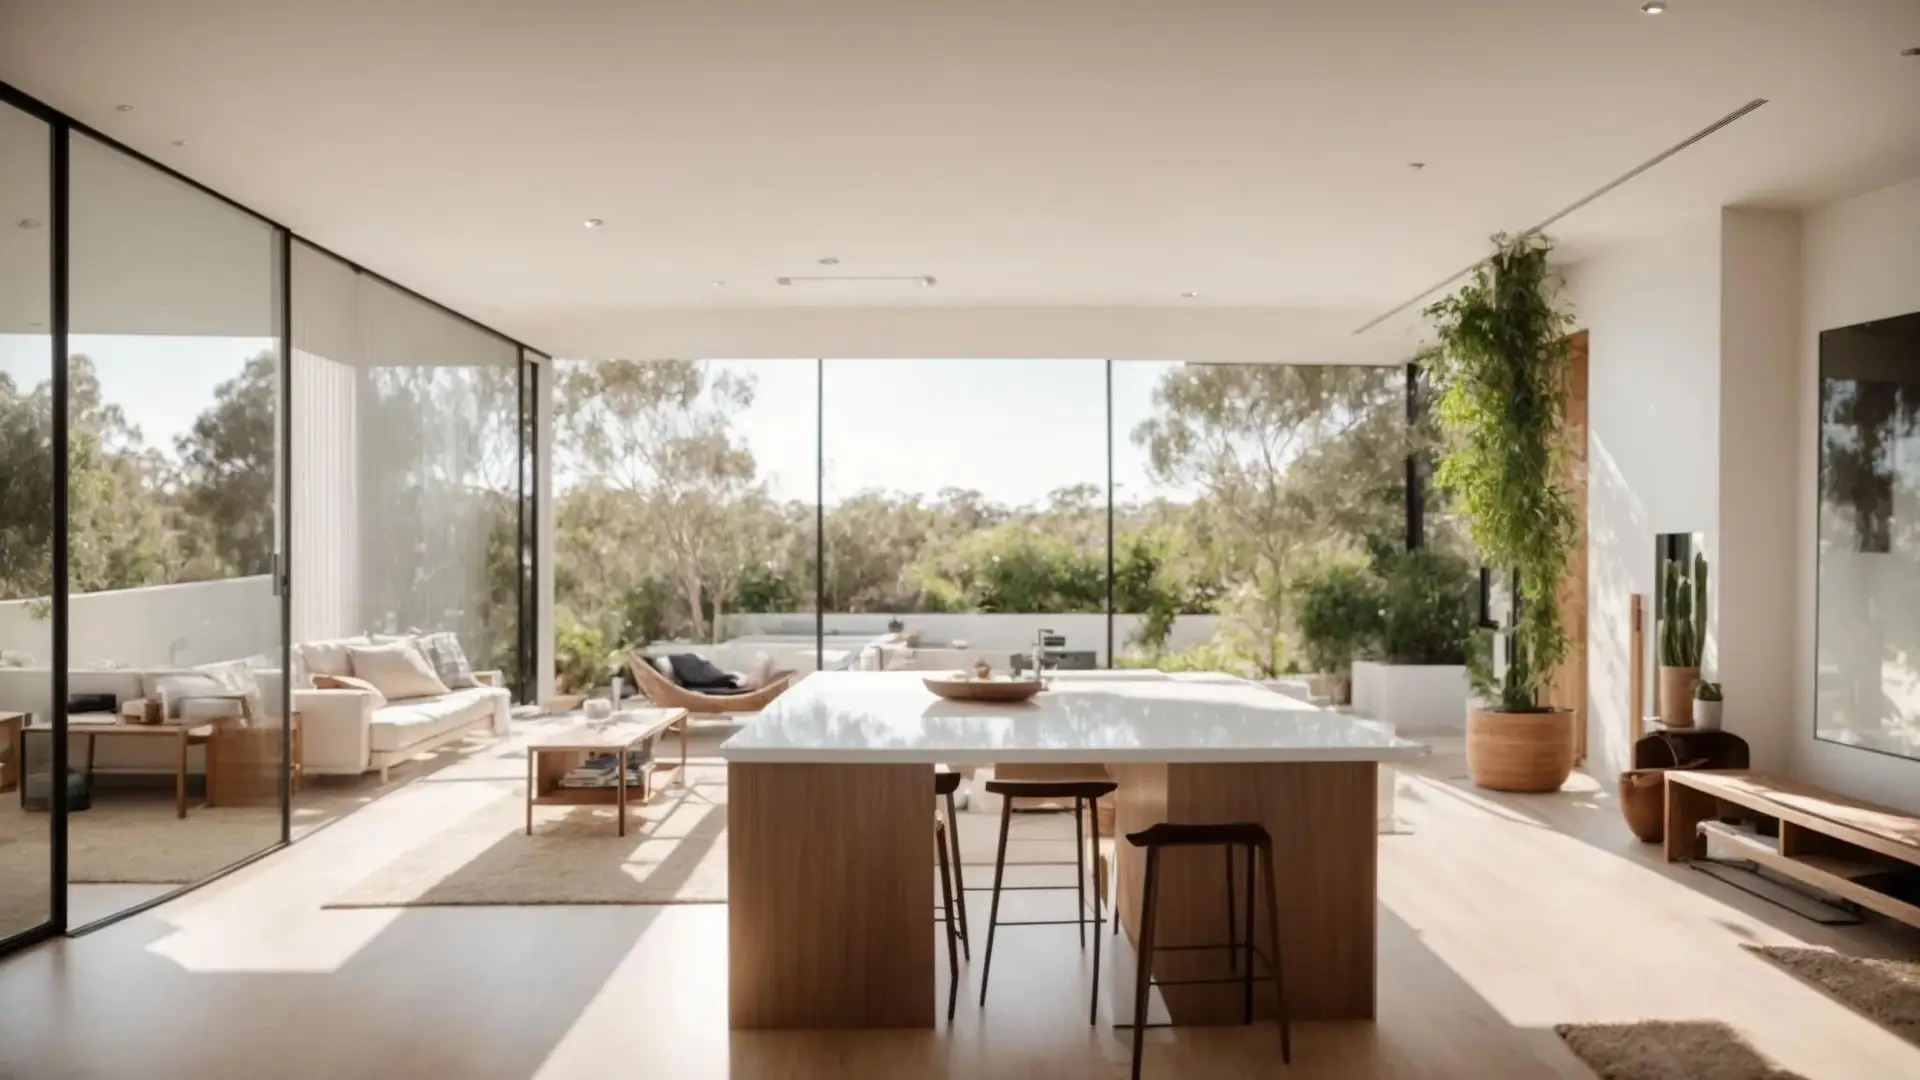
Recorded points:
665,692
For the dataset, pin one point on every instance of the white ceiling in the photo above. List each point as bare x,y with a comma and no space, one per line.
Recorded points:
1061,164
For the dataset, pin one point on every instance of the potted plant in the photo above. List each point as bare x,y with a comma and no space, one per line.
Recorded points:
1501,369
1683,637
1706,705
1417,680
1337,611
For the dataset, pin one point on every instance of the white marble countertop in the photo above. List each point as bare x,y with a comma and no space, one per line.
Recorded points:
891,717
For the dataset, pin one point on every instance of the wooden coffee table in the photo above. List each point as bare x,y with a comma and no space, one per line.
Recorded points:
549,759
111,725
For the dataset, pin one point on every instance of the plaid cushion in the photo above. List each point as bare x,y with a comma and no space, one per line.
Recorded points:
449,660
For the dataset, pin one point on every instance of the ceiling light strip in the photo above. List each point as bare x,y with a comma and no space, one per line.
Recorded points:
1710,129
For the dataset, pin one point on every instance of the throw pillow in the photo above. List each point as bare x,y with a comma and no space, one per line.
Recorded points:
696,672
663,665
326,657
398,670
449,660
175,691
348,682
235,679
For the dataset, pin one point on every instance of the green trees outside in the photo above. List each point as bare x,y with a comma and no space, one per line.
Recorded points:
137,516
666,524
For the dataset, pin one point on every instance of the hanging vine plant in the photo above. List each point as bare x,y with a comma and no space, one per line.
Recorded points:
1501,370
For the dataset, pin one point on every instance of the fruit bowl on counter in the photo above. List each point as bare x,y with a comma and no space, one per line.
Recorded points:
979,686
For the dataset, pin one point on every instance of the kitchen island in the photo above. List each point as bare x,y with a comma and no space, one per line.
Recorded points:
830,841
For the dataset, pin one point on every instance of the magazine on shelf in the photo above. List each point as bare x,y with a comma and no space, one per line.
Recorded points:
602,770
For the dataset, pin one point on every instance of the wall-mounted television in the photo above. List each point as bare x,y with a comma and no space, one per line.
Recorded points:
1867,652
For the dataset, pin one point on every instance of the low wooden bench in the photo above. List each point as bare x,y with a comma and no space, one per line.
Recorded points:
1851,849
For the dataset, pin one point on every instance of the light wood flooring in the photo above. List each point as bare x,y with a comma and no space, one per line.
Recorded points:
1500,917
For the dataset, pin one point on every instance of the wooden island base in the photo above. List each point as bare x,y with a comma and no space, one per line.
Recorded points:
831,889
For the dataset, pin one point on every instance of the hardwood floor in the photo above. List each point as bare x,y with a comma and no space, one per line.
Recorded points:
1500,917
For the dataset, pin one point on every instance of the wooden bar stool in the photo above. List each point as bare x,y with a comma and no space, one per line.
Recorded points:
1259,847
1085,795
945,783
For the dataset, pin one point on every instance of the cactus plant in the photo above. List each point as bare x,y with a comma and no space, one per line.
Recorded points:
1683,623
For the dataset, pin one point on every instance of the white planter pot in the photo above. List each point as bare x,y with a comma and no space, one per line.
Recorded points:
1706,715
1412,697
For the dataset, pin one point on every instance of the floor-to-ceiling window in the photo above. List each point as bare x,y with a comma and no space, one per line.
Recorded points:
27,366
1237,486
173,450
965,508
685,508
411,440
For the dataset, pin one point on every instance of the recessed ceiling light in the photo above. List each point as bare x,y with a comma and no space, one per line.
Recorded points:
718,284
594,223
28,223
123,108
829,261
179,142
1915,51
1416,165
1654,7
1190,296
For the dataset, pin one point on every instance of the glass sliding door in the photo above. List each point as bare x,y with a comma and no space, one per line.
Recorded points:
965,508
27,524
176,696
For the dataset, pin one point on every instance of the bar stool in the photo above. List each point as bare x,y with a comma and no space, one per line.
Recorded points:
1259,847
945,783
1085,794
953,932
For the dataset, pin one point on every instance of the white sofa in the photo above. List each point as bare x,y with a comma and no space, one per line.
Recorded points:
344,734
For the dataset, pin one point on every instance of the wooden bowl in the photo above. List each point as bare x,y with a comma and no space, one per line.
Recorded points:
955,688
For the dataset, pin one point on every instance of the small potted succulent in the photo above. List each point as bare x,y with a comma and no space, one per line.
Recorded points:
1706,705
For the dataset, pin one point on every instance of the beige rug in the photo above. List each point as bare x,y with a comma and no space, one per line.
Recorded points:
675,852
1886,991
1668,1050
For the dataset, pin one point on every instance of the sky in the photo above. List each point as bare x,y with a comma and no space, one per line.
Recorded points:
1014,430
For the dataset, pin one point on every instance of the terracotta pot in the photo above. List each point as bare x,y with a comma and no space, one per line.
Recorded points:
1520,751
1643,802
1676,695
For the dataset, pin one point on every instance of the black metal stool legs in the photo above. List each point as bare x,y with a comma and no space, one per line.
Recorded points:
1143,978
993,912
953,929
1093,828
1259,847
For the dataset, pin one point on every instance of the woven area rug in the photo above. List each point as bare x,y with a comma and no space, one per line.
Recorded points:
1885,991
1668,1050
675,852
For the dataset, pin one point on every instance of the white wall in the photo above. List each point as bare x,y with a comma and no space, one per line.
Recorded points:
1861,260
1652,312
160,626
1759,401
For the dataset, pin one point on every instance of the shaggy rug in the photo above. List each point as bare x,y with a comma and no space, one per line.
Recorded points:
1668,1050
1886,991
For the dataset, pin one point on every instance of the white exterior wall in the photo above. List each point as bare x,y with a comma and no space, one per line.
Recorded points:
1861,261
159,626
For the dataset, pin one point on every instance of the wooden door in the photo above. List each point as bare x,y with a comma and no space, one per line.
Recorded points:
1569,690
